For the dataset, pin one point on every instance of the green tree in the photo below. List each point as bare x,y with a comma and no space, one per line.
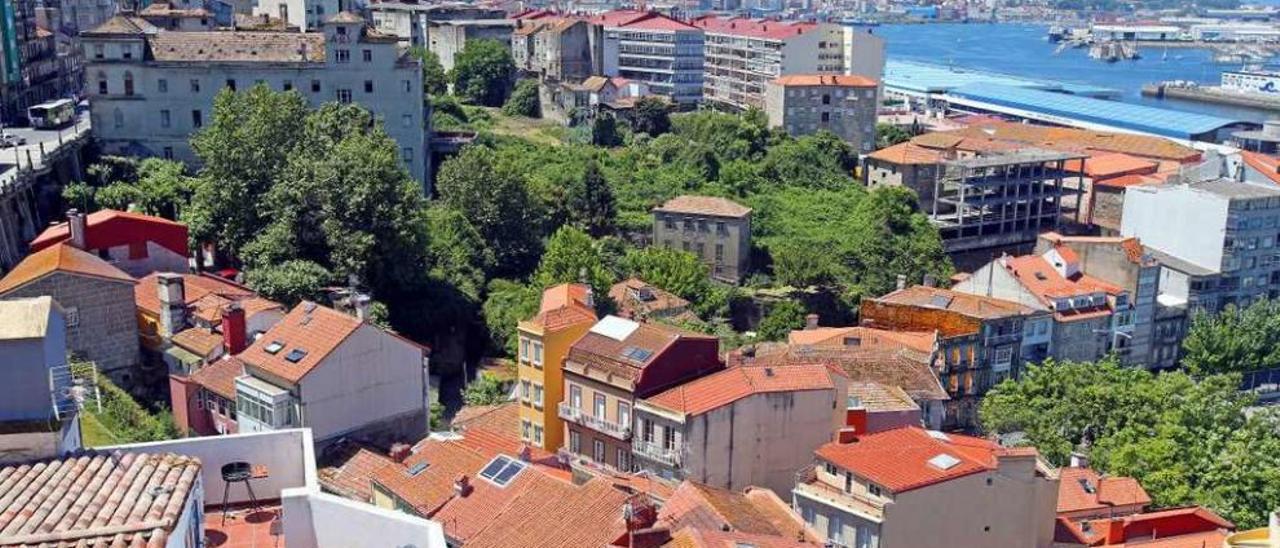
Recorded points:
589,202
783,317
1187,441
508,303
459,256
434,79
289,282
812,161
679,272
247,142
482,72
652,116
1234,340
604,131
117,196
524,101
888,135
485,390
81,196
493,197
572,256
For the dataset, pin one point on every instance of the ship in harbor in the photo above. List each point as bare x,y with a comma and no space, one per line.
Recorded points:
1112,51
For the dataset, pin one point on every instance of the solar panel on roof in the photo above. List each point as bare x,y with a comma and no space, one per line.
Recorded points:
615,328
636,354
417,469
274,347
940,301
938,435
509,472
501,470
296,355
495,466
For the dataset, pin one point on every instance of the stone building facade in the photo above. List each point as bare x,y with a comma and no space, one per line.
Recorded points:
803,104
717,230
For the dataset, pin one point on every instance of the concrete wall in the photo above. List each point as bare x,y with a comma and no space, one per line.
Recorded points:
1082,340
370,377
760,440
1016,508
24,371
669,232
1155,216
850,112
107,332
158,259
320,520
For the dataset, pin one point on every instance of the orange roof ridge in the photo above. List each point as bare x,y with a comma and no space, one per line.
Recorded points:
60,258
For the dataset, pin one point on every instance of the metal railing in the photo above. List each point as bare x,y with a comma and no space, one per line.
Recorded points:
653,451
604,426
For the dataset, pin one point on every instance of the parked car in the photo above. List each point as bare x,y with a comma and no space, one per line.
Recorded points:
10,140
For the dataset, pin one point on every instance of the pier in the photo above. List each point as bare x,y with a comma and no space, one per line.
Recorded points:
1211,94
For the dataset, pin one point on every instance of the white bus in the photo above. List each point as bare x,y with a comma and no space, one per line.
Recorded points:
53,114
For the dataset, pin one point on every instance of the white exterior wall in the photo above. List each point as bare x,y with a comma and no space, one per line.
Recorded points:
992,280
320,520
1159,217
158,259
259,323
303,14
370,377
134,124
863,53
760,440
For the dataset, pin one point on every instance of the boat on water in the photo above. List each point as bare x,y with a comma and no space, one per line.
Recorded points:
1112,51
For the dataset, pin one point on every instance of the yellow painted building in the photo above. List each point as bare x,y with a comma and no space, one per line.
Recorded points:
565,314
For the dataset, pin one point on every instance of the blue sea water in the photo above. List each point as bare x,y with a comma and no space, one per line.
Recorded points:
1021,50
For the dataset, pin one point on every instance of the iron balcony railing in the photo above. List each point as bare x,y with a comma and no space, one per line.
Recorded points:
604,426
653,451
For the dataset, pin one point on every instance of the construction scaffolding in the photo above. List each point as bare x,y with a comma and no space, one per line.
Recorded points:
1003,199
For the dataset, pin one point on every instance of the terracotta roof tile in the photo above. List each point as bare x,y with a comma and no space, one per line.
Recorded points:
1115,164
1189,527
907,154
350,470
638,299
730,385
1103,491
200,341
111,228
1043,281
504,417
843,80
122,24
920,341
626,357
640,20
238,46
586,515
1082,139
205,294
310,328
756,511
908,370
97,499
60,258
880,398
974,306
899,459
767,29
219,376
1267,166
704,205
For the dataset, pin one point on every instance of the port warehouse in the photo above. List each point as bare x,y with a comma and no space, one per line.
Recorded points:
1211,32
1089,113
941,88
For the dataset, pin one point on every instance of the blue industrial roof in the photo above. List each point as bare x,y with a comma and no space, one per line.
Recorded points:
1169,123
928,78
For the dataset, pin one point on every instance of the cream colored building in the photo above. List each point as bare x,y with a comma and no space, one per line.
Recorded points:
565,314
911,487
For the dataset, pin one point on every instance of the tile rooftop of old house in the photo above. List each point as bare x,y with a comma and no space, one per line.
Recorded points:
907,458
1082,489
704,205
219,376
730,385
61,258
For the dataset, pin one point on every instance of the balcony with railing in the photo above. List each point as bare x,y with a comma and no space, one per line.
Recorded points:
602,425
657,453
811,488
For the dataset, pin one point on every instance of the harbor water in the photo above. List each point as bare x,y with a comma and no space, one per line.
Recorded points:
1021,50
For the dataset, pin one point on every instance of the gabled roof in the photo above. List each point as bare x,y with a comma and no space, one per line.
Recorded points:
595,83
348,469
1082,489
111,228
636,299
95,499
625,348
1188,527
61,258
906,458
905,369
1115,164
1043,281
563,306
755,511
503,417
704,205
753,28
200,341
206,294
730,385
219,376
640,20
810,80
1267,166
907,153
974,306
122,24
881,398
25,318
309,328
862,336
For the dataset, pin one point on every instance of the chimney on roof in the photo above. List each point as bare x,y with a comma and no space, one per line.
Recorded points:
1079,460
930,281
462,485
811,322
360,304
1115,531
399,452
77,225
233,328
526,454
902,282
847,435
171,289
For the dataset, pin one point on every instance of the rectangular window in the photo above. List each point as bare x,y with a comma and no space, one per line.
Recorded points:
537,353
525,426
646,430
537,434
231,84
668,438
315,86
624,414
102,87
621,463
575,396
197,119
98,51
368,86
719,252
406,120
195,85
524,390
407,85
344,96
523,355
162,85
597,409
597,450
168,153
537,396
126,51
71,315
575,442
165,120
287,85
342,55
367,55
407,154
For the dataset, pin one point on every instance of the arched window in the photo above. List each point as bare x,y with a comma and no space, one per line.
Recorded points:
128,83
102,83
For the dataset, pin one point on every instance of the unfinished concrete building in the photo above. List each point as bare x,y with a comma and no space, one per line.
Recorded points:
1003,200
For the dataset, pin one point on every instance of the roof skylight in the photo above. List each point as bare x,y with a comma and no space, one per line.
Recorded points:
943,461
501,470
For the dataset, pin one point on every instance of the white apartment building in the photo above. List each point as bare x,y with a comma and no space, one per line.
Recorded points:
665,53
306,15
150,88
335,374
741,56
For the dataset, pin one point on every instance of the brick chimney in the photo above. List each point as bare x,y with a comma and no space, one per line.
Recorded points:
1115,531
462,485
847,435
77,225
233,328
811,321
399,452
173,304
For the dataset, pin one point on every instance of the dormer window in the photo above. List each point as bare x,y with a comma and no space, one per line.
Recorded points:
341,30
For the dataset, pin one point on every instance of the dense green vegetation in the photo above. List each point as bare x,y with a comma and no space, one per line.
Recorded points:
120,419
1234,340
1187,440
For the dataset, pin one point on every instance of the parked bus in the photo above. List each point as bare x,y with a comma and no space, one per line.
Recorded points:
53,114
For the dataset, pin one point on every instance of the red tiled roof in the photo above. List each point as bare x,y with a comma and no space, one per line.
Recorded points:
595,349
1057,138
504,417
754,28
219,376
881,398
644,20
704,205
730,385
111,228
756,511
586,515
1107,491
905,369
1043,280
1125,181
199,340
907,153
1189,527
898,459
203,292
1115,164
920,341
97,499
352,474
844,80
1267,166
563,306
974,306
60,258
309,327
